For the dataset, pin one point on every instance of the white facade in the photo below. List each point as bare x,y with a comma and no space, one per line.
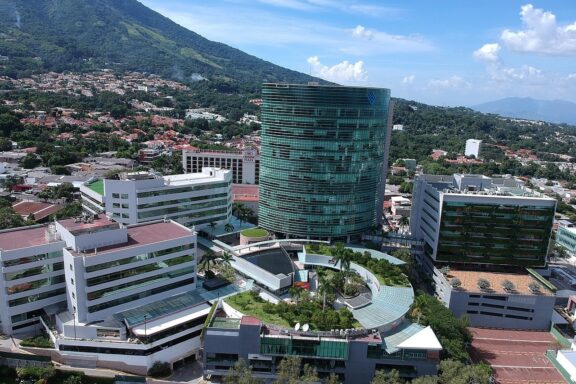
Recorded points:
245,164
108,295
32,276
472,147
195,199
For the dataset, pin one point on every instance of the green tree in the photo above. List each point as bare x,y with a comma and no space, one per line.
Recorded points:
241,373
290,372
391,377
212,226
9,219
9,123
228,227
30,161
208,261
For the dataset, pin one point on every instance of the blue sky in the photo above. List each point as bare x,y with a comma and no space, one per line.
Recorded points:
449,52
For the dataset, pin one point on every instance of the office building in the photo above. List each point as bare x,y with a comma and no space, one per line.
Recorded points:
108,295
481,220
324,159
192,199
472,148
32,278
352,358
566,237
244,163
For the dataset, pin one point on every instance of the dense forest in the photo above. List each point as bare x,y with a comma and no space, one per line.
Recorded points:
77,35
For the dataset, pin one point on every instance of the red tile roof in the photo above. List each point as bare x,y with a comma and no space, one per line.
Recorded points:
39,210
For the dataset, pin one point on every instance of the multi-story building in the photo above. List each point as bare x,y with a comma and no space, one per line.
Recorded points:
104,291
244,163
353,359
32,277
517,300
192,199
472,147
481,220
324,159
566,237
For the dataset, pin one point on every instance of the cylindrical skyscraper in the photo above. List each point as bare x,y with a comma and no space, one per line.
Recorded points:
323,159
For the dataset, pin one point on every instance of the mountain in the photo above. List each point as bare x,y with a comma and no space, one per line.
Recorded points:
75,35
555,111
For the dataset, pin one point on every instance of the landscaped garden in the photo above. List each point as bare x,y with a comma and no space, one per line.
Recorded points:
305,310
386,272
254,232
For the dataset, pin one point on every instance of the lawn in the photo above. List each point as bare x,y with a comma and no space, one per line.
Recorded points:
254,232
246,303
97,186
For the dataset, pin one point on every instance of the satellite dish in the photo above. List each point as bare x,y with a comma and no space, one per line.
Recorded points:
297,327
305,327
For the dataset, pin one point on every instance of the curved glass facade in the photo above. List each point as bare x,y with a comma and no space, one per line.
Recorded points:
322,158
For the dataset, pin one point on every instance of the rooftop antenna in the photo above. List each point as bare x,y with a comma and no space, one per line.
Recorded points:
305,327
297,327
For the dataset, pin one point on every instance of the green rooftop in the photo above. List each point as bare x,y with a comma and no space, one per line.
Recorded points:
254,232
224,323
97,186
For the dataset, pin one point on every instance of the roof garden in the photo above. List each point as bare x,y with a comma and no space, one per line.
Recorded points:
97,186
225,323
254,232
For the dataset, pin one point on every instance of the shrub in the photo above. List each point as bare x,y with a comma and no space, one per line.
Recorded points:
508,286
483,284
160,369
41,341
534,287
455,283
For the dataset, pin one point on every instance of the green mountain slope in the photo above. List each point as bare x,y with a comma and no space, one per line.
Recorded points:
59,35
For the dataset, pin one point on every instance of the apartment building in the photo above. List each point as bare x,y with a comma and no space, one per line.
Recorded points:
192,199
244,163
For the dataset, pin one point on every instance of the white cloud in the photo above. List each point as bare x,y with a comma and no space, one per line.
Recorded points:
370,41
572,76
362,32
292,4
541,34
408,79
454,82
344,72
488,52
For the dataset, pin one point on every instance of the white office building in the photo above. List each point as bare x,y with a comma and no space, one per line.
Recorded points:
192,199
32,276
472,148
244,164
109,295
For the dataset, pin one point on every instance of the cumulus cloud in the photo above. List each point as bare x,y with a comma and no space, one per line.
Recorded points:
344,72
541,34
454,82
408,79
488,52
362,32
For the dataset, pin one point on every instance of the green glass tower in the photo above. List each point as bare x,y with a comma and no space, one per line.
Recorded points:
323,159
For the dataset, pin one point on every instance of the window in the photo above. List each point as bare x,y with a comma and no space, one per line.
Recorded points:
72,281
71,268
115,195
124,196
125,206
116,205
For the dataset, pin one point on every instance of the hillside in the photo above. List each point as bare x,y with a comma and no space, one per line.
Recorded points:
554,111
76,35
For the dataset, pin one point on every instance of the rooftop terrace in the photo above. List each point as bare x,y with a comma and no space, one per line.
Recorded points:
26,237
145,234
97,186
521,281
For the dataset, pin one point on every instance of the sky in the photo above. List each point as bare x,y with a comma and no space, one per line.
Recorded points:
448,52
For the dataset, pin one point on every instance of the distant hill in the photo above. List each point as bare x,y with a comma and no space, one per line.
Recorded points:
554,111
75,35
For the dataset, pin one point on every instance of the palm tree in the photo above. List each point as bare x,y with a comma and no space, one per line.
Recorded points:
228,227
208,261
327,285
226,258
342,255
295,293
403,222
212,226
